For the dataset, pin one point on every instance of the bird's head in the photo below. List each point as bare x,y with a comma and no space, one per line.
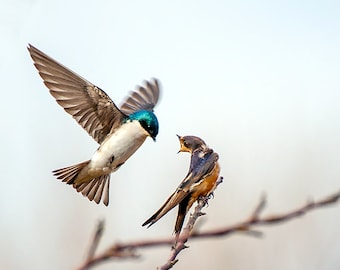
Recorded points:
190,143
148,121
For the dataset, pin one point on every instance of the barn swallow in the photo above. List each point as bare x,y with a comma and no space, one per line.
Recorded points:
118,131
200,181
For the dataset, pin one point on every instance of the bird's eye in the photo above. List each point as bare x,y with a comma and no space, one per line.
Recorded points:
186,144
145,125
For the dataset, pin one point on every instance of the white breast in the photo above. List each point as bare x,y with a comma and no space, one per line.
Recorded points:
120,145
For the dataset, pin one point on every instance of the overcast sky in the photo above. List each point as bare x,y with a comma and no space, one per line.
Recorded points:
257,80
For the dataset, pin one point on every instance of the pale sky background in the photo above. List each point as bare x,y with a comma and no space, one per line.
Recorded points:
257,80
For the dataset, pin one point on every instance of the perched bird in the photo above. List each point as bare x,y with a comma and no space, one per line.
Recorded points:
200,181
118,131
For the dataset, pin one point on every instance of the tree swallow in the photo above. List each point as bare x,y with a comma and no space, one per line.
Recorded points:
200,181
118,131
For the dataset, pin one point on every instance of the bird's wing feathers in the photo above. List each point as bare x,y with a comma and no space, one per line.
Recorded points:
200,168
90,106
170,203
143,98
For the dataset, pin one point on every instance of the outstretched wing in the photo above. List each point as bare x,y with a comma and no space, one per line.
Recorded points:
143,98
90,106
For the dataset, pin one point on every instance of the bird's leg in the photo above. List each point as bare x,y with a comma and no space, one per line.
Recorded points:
205,199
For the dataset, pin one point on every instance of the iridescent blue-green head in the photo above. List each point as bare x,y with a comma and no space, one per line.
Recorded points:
147,120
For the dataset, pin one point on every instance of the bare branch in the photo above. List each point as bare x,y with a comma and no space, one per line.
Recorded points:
128,250
259,208
270,219
96,238
184,236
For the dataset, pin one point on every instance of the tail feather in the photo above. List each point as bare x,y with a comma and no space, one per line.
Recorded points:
160,212
69,174
152,219
93,189
183,208
176,198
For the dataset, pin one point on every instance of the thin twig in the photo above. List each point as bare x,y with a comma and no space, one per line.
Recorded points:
259,208
270,219
96,238
184,236
128,250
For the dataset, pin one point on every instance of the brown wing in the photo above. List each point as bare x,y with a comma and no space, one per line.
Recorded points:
171,202
201,166
143,98
90,106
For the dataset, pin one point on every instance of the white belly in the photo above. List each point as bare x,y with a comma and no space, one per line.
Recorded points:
118,147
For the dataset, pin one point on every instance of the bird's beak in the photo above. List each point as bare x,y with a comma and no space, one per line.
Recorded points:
179,137
154,138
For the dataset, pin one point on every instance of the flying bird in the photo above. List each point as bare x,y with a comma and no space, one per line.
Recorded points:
118,131
200,181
